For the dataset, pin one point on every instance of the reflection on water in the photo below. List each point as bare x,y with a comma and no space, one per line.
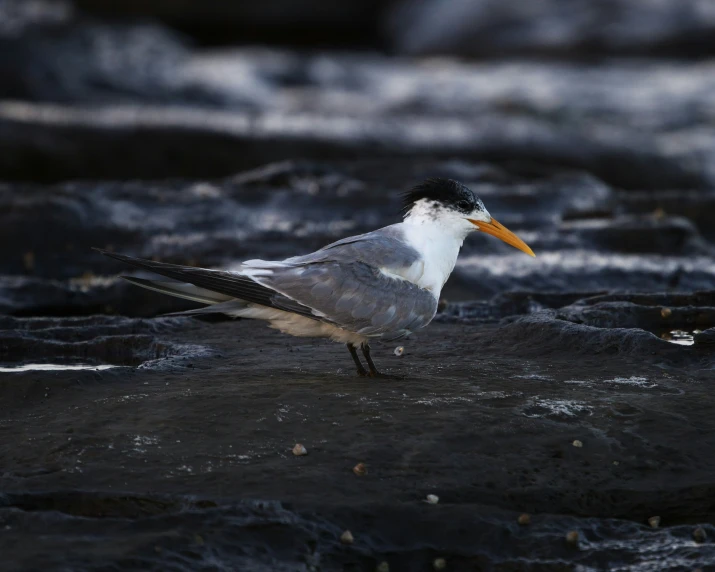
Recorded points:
54,367
680,337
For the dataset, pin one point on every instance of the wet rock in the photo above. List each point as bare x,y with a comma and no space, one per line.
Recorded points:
93,340
286,22
696,206
553,27
605,168
35,296
92,63
17,16
279,105
544,333
218,223
705,339
178,444
506,304
666,236
620,311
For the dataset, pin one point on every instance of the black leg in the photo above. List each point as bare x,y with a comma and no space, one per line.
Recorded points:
362,372
371,364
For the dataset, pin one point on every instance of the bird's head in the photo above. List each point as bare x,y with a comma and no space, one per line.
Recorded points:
457,209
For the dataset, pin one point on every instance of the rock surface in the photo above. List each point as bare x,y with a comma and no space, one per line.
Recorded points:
183,460
574,387
561,28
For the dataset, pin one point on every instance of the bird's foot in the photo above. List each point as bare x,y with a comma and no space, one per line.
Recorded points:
362,372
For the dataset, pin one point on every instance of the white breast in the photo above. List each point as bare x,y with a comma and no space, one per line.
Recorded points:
438,255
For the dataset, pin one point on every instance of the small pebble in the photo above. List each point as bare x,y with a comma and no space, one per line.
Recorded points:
616,463
654,521
299,450
29,260
577,443
382,567
347,537
666,312
432,499
198,539
699,534
439,564
360,469
399,350
572,537
524,519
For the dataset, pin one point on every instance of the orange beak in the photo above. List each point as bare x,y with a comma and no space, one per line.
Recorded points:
500,231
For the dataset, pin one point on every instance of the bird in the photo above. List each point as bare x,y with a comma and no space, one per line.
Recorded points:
378,286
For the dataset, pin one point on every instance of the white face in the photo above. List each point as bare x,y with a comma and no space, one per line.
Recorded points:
452,220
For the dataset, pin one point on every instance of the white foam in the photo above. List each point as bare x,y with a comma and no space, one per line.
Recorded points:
54,367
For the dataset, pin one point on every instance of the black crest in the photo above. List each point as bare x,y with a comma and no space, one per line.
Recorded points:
449,193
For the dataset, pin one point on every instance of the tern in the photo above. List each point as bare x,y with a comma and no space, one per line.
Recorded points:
379,286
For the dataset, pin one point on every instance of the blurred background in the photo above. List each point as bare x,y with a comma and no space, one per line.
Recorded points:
210,132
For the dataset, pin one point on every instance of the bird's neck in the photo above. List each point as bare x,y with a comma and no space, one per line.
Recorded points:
439,245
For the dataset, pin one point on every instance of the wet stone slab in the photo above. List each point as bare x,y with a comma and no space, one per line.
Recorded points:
193,463
585,239
547,414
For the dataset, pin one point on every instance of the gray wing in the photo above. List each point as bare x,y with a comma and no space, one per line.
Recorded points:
356,296
342,282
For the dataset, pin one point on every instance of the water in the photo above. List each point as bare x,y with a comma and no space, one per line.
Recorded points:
54,367
680,337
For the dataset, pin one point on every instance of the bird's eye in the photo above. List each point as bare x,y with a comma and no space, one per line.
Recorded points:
464,205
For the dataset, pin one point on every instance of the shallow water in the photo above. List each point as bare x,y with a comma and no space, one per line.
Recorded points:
680,337
54,367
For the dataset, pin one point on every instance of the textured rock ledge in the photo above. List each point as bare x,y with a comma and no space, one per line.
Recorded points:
179,459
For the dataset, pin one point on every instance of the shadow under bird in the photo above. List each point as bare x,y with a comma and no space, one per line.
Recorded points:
382,285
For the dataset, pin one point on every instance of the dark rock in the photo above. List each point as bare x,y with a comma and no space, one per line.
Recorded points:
553,27
178,463
626,314
92,340
506,304
667,236
288,208
545,333
311,23
239,109
696,206
605,168
91,63
18,16
705,339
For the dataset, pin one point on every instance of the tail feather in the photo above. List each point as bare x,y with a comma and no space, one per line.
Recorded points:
180,290
230,308
219,282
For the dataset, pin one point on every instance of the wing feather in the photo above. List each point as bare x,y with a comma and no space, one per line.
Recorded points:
341,284
227,283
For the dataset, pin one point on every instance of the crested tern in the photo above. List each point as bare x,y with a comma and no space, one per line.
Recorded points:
380,286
